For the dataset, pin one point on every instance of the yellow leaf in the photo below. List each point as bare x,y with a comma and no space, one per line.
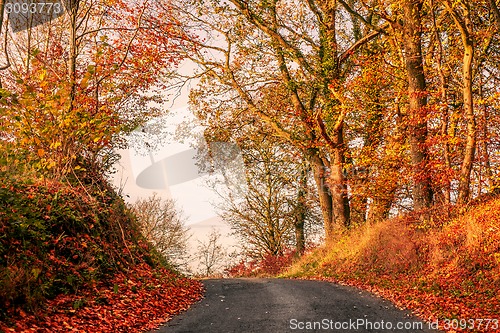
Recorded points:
85,82
43,74
51,165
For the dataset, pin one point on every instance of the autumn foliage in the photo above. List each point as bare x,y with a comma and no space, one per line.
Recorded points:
446,268
140,300
268,265
391,108
71,253
72,258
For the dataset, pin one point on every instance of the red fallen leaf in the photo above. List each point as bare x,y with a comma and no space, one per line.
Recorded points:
157,297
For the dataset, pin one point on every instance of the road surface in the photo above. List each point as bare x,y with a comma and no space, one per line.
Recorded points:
281,305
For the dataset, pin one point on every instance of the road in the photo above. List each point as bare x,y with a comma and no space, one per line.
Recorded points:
281,305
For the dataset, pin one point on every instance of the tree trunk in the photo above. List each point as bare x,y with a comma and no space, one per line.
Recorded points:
7,65
338,185
463,22
330,74
445,118
73,49
325,199
492,184
358,206
2,10
300,216
379,210
417,129
470,146
4,67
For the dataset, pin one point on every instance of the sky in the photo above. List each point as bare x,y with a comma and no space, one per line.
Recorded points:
169,169
171,172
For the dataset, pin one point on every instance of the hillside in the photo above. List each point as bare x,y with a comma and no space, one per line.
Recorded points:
446,269
72,258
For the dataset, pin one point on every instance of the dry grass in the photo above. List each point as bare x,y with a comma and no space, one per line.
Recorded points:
443,269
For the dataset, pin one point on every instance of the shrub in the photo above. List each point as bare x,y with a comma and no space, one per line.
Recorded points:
57,238
441,267
269,265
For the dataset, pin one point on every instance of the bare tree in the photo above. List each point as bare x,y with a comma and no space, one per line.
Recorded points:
163,225
276,208
211,254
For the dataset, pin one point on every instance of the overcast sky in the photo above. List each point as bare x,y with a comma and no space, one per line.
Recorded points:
169,169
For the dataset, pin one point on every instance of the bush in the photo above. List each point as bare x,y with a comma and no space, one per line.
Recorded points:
57,238
162,224
269,265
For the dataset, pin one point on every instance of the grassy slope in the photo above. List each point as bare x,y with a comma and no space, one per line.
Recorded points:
444,269
73,258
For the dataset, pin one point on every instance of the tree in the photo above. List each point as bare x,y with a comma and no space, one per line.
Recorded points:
410,22
377,164
76,84
252,49
474,31
271,212
397,126
272,176
417,101
405,21
162,224
461,12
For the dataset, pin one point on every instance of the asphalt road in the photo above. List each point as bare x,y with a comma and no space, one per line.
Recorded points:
280,305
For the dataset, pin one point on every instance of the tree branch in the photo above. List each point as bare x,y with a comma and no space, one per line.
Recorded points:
7,59
347,53
280,131
353,12
262,25
496,13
